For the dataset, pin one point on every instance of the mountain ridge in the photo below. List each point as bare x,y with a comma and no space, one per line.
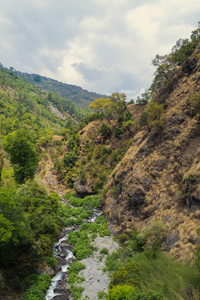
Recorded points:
77,94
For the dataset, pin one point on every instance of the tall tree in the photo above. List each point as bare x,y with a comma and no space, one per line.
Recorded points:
23,155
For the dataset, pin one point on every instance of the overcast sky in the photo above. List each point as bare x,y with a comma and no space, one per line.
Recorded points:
103,46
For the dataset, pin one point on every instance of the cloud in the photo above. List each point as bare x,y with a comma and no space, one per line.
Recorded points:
101,45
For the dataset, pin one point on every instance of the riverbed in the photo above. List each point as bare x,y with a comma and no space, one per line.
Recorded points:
96,279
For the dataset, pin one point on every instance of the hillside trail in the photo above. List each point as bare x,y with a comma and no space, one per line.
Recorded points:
96,279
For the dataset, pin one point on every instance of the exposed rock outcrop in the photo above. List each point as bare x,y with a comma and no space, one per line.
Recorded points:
150,182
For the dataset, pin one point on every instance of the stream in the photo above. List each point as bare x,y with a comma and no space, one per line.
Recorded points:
59,288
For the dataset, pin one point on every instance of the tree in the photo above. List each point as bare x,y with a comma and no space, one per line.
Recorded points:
37,78
114,106
101,106
1,164
23,155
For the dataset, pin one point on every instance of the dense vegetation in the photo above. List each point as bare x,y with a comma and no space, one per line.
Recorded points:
76,94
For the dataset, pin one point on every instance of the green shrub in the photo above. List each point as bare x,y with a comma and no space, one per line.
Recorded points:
128,274
70,159
73,278
83,250
105,129
143,121
104,251
141,295
112,261
120,292
39,286
101,295
76,291
152,237
118,132
76,267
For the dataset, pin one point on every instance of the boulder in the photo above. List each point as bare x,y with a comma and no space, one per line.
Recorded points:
81,189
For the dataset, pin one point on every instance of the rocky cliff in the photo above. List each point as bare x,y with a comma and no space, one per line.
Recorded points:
159,176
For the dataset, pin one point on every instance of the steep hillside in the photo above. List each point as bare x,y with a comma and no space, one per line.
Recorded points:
159,176
22,104
78,95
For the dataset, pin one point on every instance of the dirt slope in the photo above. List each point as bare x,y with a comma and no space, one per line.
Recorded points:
159,176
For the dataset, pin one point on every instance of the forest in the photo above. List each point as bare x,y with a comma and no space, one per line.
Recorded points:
91,154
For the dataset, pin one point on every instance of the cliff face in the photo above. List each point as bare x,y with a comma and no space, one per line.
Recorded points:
159,176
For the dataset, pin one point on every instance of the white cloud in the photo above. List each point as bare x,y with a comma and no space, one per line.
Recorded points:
104,46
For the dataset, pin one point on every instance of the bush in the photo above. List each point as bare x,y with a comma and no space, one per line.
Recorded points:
112,261
76,292
195,103
105,129
152,237
39,286
120,292
70,159
141,295
143,121
128,274
104,251
118,132
76,267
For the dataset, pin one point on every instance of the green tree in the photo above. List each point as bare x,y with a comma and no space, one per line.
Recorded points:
23,155
37,78
114,106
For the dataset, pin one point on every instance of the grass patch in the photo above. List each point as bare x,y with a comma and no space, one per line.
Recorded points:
76,291
104,251
167,275
87,203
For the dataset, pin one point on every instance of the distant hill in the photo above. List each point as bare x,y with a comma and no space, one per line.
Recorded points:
78,95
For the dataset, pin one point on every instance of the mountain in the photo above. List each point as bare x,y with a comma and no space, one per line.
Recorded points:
78,95
141,160
146,162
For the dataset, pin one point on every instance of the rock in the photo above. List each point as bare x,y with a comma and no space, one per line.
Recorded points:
171,240
138,196
64,296
81,189
58,269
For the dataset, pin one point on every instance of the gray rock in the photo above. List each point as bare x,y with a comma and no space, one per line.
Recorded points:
171,240
81,189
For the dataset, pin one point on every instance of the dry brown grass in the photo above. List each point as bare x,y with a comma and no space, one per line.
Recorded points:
160,168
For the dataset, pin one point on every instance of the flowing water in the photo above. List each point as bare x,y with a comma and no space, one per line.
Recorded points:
64,257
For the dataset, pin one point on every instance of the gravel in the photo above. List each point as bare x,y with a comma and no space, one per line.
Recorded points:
95,279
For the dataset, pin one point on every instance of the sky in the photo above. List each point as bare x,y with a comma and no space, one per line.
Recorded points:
104,46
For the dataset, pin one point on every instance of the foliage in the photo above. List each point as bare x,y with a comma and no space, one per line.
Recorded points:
104,251
30,224
101,295
195,103
76,267
153,236
119,292
118,132
128,274
86,202
141,295
76,291
70,93
70,159
105,129
151,117
112,261
39,286
143,119
23,155
114,106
